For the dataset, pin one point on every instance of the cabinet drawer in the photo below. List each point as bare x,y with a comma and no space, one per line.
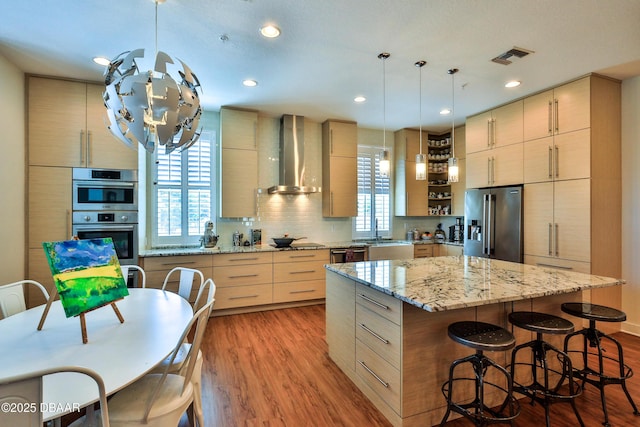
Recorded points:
379,334
248,258
155,279
298,271
241,275
298,291
380,303
303,255
559,263
422,251
243,296
378,374
166,263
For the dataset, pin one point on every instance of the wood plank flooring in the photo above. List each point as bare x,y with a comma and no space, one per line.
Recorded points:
272,369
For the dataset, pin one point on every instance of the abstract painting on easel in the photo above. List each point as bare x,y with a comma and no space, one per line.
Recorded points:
86,273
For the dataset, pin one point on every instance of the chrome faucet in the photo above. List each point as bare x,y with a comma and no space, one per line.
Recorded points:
377,231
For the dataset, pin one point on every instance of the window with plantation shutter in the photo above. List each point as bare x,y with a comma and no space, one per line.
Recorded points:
374,196
184,193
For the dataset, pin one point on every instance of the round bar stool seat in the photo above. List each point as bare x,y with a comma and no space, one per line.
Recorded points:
599,367
481,337
594,312
545,376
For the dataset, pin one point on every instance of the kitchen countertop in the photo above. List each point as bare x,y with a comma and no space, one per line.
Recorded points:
222,249
453,282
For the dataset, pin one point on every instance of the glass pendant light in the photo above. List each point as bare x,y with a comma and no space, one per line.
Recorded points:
453,162
421,159
385,157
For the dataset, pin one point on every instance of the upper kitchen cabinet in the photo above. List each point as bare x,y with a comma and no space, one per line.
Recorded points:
411,195
557,111
496,128
67,127
239,163
239,129
339,169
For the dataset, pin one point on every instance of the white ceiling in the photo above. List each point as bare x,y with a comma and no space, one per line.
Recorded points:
327,53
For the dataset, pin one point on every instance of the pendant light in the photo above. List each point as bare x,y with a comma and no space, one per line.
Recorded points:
421,159
453,162
385,158
151,108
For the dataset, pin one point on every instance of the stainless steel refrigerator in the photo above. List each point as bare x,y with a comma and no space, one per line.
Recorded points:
493,223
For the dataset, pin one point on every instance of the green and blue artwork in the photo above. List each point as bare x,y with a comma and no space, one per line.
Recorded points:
86,273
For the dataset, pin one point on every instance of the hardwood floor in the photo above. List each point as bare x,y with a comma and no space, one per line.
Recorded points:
272,369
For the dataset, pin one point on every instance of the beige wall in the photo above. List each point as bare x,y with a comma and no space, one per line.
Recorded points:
631,203
12,172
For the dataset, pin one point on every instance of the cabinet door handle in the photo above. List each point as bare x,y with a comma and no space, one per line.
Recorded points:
493,170
556,236
178,263
302,256
331,203
493,132
489,133
550,239
243,276
302,272
374,302
555,101
245,297
384,340
380,380
557,161
488,170
303,291
82,156
89,154
561,267
550,117
550,166
67,232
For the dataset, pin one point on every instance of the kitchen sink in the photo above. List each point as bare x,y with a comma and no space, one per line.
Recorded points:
381,242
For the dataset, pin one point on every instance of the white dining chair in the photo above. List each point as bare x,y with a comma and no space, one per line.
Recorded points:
12,297
160,399
26,391
142,275
187,278
177,365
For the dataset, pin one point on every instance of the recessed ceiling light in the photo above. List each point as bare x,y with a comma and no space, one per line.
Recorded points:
270,31
512,83
250,83
101,60
359,99
445,111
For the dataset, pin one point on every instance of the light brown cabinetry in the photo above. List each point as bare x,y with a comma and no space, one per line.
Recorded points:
496,167
450,250
425,251
66,121
572,195
496,128
299,275
411,195
339,169
243,279
239,163
157,268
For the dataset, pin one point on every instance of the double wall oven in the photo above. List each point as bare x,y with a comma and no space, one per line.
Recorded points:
105,204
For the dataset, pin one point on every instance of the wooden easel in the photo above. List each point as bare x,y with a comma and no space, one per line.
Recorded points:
83,323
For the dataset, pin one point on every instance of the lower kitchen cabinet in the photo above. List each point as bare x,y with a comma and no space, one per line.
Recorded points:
157,268
425,251
243,279
299,275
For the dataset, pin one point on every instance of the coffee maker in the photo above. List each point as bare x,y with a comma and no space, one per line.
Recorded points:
456,232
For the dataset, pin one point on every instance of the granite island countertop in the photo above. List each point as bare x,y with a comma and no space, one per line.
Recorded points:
453,282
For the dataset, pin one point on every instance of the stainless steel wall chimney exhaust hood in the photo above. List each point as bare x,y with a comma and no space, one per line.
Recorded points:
292,166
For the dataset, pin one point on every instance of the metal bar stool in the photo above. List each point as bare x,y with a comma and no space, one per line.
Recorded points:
610,369
547,382
481,337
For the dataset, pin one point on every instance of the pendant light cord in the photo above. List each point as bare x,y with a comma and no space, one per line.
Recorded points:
420,64
384,103
453,72
156,2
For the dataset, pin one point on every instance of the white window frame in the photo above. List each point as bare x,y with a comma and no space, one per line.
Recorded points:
385,218
186,237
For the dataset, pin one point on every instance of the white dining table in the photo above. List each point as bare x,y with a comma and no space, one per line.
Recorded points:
120,352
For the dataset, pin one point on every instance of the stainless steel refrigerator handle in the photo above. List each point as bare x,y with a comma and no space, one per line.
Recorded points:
484,223
550,239
489,225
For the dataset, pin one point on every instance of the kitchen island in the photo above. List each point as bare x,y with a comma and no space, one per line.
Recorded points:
387,321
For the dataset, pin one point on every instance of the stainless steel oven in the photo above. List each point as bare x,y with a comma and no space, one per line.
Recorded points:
122,227
105,189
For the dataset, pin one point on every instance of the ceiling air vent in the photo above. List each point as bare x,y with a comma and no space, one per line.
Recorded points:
518,52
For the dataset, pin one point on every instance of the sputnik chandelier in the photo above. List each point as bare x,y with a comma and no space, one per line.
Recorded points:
151,108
